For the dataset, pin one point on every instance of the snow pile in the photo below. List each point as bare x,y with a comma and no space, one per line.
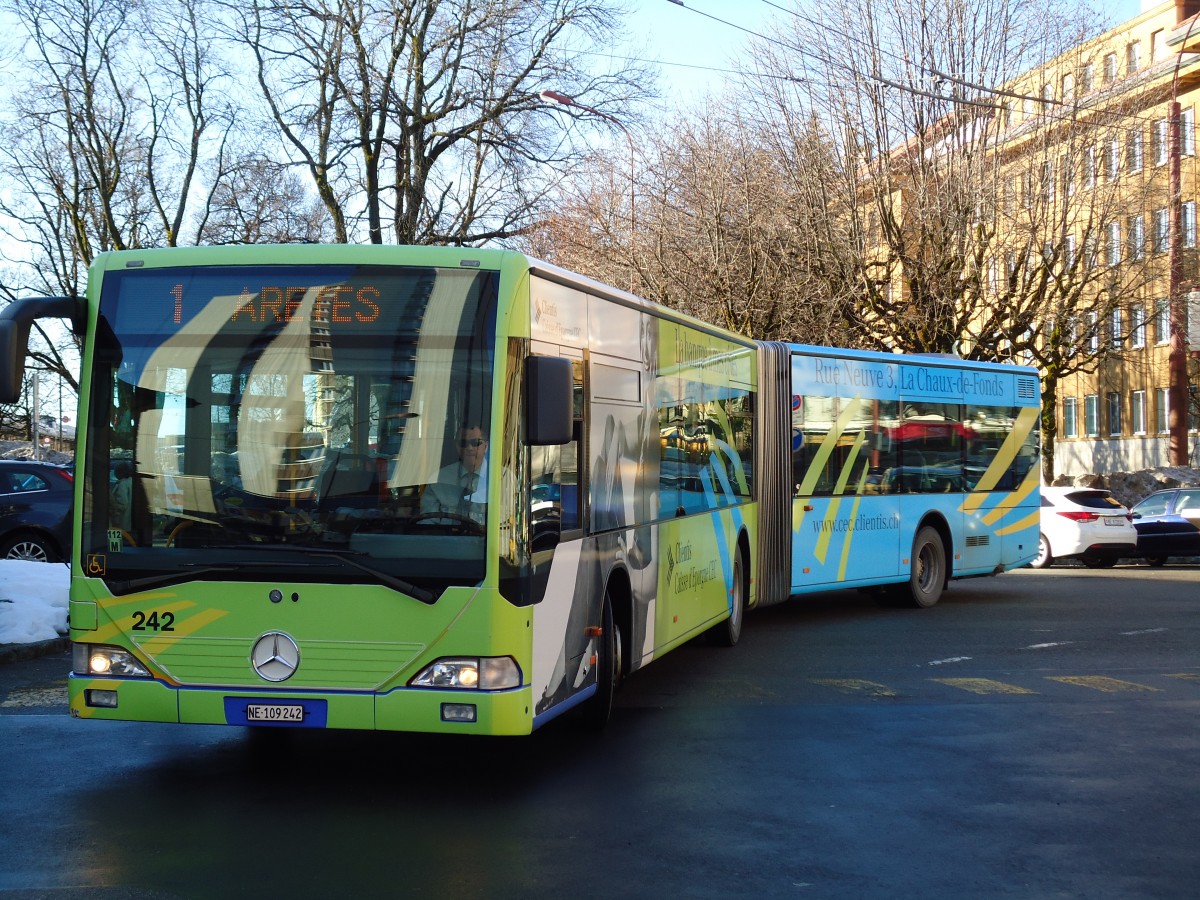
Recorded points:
33,601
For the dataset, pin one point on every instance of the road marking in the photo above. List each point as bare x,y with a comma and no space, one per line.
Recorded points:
24,697
952,659
1101,683
984,686
1186,676
1144,631
856,686
1048,646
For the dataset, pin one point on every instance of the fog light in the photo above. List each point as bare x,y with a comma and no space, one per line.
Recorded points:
101,699
458,712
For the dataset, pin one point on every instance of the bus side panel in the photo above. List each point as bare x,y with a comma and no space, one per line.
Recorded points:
856,539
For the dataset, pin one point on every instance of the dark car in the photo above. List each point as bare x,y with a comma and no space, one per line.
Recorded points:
35,510
1168,524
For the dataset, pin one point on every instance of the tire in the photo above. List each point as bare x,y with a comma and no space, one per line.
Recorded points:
928,575
1156,561
1044,558
30,547
597,710
728,632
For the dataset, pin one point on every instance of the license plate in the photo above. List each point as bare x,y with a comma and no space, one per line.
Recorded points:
1114,520
261,712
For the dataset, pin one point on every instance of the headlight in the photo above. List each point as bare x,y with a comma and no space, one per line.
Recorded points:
488,673
97,659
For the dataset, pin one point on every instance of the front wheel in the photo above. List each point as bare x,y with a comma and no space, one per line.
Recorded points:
928,575
597,710
1044,558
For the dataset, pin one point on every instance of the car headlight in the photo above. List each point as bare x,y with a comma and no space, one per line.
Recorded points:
487,673
101,660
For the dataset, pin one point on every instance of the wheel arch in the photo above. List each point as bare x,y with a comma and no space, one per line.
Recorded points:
620,593
937,521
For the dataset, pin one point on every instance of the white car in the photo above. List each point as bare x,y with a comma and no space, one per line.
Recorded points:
1086,524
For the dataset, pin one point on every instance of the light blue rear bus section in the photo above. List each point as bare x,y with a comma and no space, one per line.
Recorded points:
883,445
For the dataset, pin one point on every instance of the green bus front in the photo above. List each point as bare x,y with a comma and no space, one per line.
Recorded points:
265,429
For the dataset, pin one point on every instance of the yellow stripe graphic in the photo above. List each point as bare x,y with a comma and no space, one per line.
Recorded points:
831,511
862,480
1032,479
1101,683
1031,520
983,686
1027,418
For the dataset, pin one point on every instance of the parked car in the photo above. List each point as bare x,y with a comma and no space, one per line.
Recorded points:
35,510
1168,524
1086,524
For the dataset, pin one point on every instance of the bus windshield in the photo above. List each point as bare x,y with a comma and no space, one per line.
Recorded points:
248,416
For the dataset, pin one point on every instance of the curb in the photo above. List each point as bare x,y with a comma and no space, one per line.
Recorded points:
10,653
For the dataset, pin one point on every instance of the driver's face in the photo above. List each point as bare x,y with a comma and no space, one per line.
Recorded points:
471,448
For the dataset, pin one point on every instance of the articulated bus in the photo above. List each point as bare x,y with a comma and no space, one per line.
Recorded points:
460,490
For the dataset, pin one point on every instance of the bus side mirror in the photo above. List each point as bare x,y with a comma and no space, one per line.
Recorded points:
549,401
15,322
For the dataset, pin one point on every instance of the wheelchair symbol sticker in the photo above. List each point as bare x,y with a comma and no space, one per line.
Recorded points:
96,565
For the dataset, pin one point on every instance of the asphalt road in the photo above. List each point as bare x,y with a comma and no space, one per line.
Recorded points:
1035,735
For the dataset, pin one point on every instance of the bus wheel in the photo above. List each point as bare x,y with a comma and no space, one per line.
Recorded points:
728,632
928,575
595,713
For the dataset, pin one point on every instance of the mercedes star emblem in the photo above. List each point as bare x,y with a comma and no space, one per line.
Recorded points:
275,656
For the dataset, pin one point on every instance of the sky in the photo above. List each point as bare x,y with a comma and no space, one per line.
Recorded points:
33,601
688,42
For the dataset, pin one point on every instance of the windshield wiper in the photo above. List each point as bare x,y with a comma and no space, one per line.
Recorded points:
130,585
399,584
345,556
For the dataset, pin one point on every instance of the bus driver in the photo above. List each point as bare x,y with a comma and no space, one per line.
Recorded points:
461,487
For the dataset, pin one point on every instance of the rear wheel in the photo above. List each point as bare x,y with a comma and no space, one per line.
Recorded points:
1044,557
727,633
1156,561
928,575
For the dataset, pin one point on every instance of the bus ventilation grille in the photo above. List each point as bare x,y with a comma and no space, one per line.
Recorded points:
978,540
1027,388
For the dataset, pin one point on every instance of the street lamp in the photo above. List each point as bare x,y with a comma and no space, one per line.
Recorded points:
564,100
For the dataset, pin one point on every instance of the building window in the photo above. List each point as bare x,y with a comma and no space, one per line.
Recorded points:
1091,415
1137,412
1158,142
1114,413
1112,245
1158,46
1069,427
1137,236
1187,223
1089,167
1137,334
1187,131
1093,332
1087,78
1048,182
1110,69
1068,88
1162,409
1133,57
1133,151
1116,328
1162,321
1069,253
1112,158
1162,230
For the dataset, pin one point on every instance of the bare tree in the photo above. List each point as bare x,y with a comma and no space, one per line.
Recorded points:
419,120
970,222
